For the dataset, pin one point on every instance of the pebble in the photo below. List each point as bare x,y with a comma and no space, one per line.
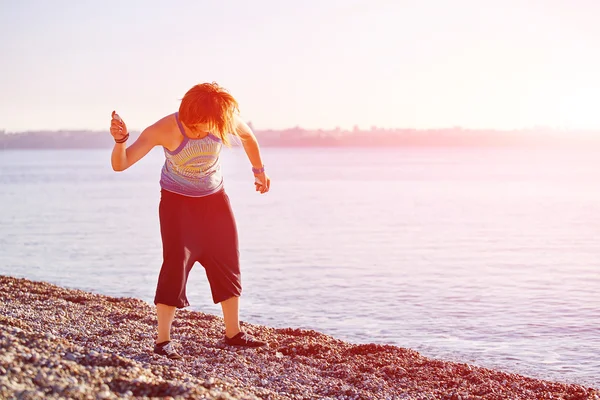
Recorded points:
41,379
103,334
80,389
208,383
103,395
34,358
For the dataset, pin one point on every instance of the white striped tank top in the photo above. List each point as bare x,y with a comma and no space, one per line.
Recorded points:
194,168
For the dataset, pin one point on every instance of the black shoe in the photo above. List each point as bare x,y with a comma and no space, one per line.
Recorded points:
244,340
166,349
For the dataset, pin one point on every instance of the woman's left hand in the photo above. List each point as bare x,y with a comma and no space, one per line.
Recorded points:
262,182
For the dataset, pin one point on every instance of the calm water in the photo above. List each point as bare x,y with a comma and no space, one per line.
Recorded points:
484,256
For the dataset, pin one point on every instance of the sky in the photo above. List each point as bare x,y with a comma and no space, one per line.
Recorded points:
318,64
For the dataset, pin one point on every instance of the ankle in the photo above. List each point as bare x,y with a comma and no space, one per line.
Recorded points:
231,334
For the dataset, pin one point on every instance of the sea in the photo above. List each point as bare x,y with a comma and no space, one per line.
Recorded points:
488,256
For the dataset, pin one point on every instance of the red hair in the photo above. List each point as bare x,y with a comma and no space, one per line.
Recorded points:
209,103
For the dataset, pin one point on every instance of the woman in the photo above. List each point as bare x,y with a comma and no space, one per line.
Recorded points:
196,220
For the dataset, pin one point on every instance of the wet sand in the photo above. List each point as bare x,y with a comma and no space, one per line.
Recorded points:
64,343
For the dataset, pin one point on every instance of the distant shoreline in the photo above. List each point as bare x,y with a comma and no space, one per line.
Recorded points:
333,138
59,342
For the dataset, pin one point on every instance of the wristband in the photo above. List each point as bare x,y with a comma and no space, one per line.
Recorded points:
258,170
123,139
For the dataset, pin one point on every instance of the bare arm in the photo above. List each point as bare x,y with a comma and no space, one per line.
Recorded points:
123,157
249,142
252,149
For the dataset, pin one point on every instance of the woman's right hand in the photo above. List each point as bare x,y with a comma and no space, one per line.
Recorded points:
118,129
262,183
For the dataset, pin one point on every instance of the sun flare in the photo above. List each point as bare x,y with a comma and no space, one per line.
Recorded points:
579,109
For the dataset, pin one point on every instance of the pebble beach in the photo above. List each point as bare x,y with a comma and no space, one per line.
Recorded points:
62,343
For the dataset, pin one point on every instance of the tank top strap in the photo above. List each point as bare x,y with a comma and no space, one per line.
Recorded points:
180,125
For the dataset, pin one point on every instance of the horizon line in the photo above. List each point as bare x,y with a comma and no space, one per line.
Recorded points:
356,128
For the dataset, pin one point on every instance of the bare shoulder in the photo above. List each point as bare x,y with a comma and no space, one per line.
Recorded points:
162,131
163,125
241,128
237,120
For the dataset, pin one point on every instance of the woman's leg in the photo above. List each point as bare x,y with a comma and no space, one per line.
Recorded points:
165,315
221,260
231,309
220,257
233,332
177,262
